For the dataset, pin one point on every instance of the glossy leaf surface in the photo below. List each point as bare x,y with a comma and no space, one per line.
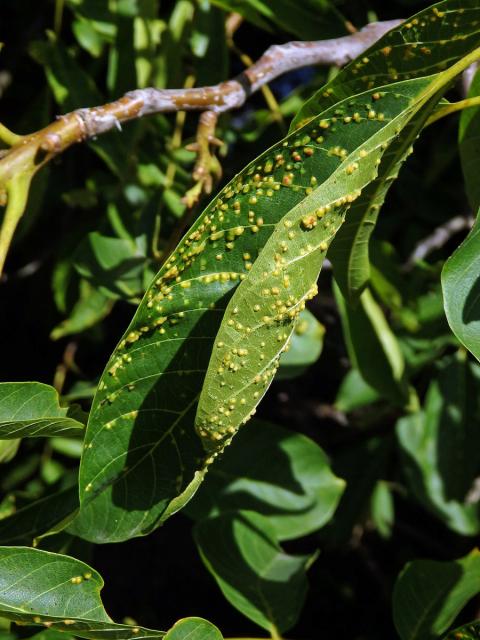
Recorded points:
429,595
255,575
461,291
296,490
439,447
31,409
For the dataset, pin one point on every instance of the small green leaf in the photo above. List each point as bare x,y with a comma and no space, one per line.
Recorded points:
258,578
91,307
354,392
193,629
114,266
382,509
461,291
439,446
296,490
429,595
31,409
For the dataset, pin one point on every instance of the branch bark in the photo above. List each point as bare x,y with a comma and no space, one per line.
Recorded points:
27,154
85,123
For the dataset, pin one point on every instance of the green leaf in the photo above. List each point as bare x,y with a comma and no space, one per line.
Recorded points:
140,428
193,629
63,594
439,447
74,88
401,53
373,348
354,392
429,595
308,20
382,509
461,291
91,307
350,250
114,266
469,145
305,347
31,409
258,578
37,518
296,490
362,466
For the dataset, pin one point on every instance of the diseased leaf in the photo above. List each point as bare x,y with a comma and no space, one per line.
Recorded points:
401,53
305,347
193,629
428,595
373,348
258,578
440,447
31,409
461,291
296,490
140,429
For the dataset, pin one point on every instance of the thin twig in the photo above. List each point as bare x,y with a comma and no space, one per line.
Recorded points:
436,240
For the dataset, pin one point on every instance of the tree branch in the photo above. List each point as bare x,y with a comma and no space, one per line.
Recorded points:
27,154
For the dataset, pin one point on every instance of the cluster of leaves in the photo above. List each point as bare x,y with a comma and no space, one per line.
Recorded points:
161,430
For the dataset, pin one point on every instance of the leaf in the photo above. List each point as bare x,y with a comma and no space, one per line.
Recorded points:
428,595
297,491
37,518
193,629
350,250
400,53
383,509
354,392
461,291
362,466
73,88
373,348
258,578
309,20
62,593
305,347
114,266
469,145
31,409
91,307
439,447
140,427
